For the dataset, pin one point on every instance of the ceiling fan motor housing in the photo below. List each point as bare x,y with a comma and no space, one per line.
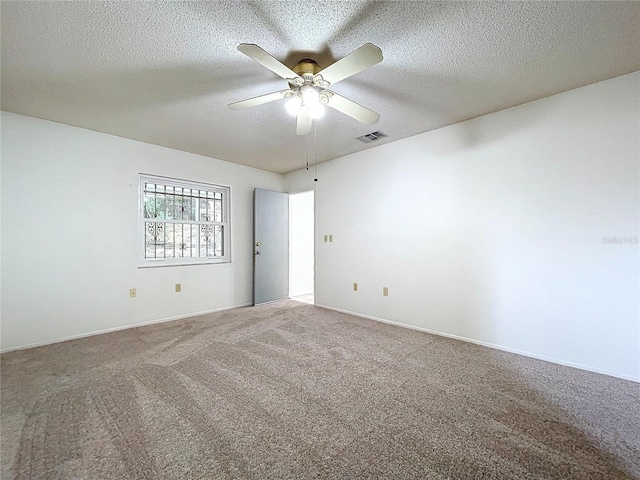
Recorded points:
306,66
307,69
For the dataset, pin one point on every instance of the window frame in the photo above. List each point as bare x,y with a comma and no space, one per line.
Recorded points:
144,262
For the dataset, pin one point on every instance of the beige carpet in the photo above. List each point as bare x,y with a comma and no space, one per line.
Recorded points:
289,390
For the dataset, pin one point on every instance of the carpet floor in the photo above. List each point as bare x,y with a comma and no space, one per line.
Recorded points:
289,390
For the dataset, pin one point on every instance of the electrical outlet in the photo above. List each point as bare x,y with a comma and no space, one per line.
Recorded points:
355,287
132,293
330,238
178,287
326,238
385,291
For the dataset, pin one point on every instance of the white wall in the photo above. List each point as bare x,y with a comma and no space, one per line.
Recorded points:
70,226
301,248
492,229
489,230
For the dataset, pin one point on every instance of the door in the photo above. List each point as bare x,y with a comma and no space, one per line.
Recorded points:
270,246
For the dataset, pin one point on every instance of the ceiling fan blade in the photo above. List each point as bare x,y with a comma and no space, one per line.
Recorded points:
252,102
266,60
353,109
304,121
364,57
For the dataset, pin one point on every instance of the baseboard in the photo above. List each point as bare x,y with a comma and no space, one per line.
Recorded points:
485,344
124,327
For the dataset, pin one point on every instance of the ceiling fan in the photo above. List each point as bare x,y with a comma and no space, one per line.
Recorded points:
307,92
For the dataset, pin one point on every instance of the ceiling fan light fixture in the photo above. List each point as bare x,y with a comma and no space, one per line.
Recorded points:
293,106
310,95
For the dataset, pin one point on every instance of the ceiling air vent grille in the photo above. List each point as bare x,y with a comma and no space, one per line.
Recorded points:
372,137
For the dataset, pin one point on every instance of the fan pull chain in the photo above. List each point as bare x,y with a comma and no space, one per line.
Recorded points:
315,150
307,152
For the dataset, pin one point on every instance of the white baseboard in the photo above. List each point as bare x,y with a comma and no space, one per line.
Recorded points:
485,344
124,327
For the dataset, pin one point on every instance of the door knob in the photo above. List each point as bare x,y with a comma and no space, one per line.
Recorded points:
257,252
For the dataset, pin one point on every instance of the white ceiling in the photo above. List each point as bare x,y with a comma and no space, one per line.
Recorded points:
164,72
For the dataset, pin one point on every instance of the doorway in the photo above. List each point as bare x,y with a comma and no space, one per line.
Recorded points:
301,247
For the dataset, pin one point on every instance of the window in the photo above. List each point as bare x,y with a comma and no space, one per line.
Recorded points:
183,222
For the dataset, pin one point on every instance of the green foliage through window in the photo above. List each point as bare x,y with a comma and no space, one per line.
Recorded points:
184,221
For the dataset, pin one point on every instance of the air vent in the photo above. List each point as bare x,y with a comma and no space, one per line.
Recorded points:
372,137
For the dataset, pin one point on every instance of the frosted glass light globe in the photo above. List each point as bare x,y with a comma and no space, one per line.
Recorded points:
293,106
310,95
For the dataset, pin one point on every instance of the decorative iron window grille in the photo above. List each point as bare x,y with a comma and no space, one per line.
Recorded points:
182,222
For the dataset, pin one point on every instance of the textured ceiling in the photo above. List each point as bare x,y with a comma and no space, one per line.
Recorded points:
164,72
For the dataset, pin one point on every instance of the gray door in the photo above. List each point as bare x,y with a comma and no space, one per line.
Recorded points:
270,246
